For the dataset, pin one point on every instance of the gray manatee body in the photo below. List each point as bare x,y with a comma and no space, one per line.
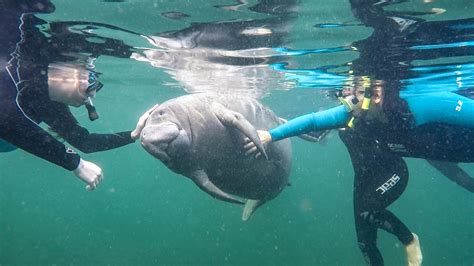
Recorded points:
201,136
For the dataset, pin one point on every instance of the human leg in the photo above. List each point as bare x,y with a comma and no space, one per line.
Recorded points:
380,179
370,210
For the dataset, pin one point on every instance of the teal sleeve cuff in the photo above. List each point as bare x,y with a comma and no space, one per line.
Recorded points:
335,117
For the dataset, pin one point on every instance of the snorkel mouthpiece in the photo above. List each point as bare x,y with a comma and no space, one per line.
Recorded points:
94,86
93,115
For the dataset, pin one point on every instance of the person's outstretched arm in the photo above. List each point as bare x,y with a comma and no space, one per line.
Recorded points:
61,120
333,118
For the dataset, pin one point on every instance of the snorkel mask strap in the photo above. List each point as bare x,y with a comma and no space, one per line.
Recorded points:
350,102
366,83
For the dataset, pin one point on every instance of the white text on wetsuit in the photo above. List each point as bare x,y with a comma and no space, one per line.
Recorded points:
389,184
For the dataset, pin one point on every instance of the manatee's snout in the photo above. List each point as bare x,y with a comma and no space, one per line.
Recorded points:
164,140
156,139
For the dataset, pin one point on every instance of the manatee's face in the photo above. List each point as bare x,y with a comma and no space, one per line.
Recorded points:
164,137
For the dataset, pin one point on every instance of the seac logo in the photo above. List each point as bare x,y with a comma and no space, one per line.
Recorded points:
388,184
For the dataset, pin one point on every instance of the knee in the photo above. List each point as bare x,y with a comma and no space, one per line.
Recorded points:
367,247
366,233
368,216
376,219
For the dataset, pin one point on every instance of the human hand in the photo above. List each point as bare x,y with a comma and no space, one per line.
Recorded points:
251,148
141,123
89,173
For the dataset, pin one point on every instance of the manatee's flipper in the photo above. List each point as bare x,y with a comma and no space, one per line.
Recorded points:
250,207
202,180
313,136
282,120
237,120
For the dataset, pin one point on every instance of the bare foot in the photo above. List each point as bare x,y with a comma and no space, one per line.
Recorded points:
413,251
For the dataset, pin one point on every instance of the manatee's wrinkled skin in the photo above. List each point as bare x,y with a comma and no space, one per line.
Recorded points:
189,135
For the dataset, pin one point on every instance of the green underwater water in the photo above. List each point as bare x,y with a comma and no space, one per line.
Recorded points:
143,214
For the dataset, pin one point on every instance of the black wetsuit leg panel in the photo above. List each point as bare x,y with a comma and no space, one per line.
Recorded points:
380,179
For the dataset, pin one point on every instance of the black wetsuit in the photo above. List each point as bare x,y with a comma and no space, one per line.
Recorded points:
377,149
24,100
381,175
380,179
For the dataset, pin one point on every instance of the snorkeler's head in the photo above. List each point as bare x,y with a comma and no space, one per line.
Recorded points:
27,6
73,85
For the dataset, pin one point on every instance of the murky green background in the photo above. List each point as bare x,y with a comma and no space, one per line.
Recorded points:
143,214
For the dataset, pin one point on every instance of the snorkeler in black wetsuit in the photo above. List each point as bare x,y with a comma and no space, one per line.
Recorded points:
380,175
408,121
402,121
33,89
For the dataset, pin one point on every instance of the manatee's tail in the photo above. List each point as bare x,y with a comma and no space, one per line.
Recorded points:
250,207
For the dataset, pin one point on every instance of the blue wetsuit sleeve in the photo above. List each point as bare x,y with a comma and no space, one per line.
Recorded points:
335,117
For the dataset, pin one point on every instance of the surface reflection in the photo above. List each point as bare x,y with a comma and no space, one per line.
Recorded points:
404,51
225,56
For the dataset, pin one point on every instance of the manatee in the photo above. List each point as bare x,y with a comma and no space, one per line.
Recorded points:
201,136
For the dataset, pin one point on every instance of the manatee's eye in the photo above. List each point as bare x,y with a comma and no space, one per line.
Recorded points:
161,112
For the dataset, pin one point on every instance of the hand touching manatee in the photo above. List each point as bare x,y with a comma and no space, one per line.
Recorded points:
251,148
141,122
265,138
